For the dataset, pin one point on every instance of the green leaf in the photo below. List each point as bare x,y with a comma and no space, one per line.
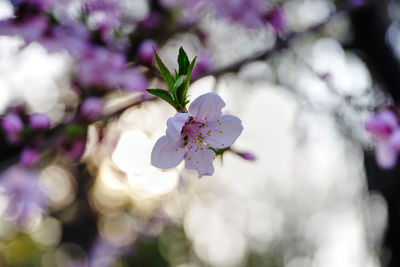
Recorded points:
182,91
169,79
183,62
179,82
163,94
75,130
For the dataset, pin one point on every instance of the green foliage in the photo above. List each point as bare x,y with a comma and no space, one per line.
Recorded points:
146,253
168,78
174,246
21,251
183,62
163,94
75,130
182,91
178,85
179,82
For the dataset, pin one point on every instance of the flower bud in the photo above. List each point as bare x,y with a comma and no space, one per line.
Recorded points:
247,156
145,51
39,121
29,156
12,124
92,108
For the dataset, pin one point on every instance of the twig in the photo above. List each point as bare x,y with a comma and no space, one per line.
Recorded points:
55,134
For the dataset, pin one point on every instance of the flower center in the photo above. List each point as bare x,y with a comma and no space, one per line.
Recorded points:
192,135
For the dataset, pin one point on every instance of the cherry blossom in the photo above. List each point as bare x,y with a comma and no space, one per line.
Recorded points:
384,126
193,136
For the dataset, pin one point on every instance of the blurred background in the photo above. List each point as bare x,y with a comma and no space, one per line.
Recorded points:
299,188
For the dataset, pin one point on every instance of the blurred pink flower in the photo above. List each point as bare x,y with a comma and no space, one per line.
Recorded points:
92,107
39,121
153,20
145,51
247,156
108,10
203,65
384,126
30,29
12,123
249,13
73,149
29,156
70,36
276,18
101,67
25,196
191,136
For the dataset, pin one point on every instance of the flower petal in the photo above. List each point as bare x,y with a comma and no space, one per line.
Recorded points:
167,153
223,132
207,106
386,156
201,161
175,124
394,140
382,123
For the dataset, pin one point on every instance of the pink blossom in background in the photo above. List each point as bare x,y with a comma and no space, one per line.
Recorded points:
73,149
29,156
203,65
190,136
12,123
92,107
72,37
30,29
25,196
145,51
276,18
384,126
108,10
250,13
39,121
101,67
153,20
